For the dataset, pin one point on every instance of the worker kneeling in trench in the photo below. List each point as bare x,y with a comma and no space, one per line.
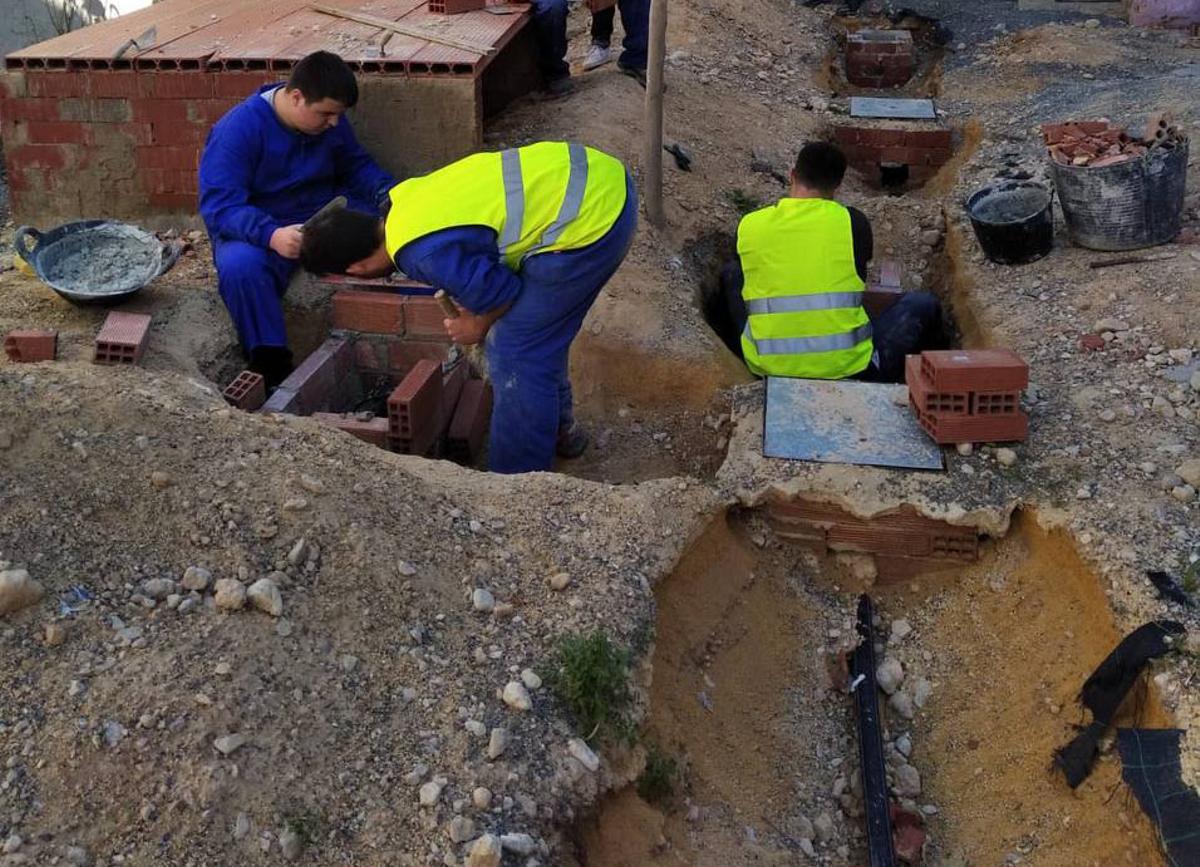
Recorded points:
793,294
523,240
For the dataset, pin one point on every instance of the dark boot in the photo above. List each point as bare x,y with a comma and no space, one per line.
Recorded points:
273,362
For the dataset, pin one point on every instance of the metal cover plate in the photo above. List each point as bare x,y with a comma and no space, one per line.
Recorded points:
907,109
845,422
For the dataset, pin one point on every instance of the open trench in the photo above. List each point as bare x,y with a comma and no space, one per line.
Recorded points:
748,704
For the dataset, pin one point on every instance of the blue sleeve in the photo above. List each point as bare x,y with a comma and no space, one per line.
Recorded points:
226,174
361,176
464,261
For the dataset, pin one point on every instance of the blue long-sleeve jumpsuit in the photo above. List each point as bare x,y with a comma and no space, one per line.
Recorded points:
529,346
257,175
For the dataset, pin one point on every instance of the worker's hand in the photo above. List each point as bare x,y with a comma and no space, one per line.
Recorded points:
467,329
286,241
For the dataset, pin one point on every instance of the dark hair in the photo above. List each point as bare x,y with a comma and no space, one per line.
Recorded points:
339,239
821,166
323,75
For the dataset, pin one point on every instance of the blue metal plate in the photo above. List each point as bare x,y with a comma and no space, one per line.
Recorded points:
845,422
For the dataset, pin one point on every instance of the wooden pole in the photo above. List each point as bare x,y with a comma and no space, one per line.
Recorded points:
654,111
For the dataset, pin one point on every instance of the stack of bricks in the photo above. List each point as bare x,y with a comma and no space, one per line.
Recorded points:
880,58
26,345
924,147
122,339
968,396
1098,143
104,140
903,543
391,332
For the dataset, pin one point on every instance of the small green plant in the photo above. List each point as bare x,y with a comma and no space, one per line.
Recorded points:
591,677
1191,578
656,785
306,826
742,201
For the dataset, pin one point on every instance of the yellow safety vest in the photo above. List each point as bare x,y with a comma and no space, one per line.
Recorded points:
539,198
802,293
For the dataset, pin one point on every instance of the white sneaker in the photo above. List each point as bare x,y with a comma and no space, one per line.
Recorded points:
597,56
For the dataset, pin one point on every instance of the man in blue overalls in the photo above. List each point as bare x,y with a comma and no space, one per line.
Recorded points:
523,240
270,164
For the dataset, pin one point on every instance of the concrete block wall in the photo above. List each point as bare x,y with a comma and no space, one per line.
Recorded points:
126,144
880,58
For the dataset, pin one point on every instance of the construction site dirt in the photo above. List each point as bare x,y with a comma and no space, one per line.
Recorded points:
144,722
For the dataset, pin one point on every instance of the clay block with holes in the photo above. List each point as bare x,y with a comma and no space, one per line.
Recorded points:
314,384
25,345
373,430
370,312
927,399
974,370
469,427
455,7
452,386
122,339
248,391
415,410
953,429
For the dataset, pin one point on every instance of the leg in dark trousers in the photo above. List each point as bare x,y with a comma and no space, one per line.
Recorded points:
911,325
727,308
635,18
550,27
602,26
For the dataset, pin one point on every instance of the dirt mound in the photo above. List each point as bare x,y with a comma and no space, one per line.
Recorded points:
117,739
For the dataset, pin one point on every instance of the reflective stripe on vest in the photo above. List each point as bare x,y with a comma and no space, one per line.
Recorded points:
803,345
803,295
800,303
538,198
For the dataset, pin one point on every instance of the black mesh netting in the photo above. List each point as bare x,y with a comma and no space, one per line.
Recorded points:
1150,766
1105,690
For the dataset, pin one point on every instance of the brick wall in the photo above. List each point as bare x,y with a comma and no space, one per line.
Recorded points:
118,143
867,148
84,143
880,58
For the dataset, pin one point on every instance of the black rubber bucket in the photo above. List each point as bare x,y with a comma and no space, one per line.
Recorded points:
1134,204
1013,220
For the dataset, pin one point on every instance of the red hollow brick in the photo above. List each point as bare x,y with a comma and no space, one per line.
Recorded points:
57,132
469,426
164,157
173,201
56,83
160,111
403,355
118,84
974,370
122,339
239,85
370,312
415,410
952,429
187,135
878,137
373,430
248,391
846,135
27,345
452,386
29,109
177,85
878,298
933,156
423,317
37,156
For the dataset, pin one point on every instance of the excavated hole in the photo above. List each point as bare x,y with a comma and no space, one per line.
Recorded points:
928,45
742,698
706,256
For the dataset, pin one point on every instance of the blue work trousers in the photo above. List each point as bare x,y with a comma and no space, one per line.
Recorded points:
529,346
252,282
550,30
635,18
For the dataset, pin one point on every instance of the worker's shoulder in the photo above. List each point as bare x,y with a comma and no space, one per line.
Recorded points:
249,115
